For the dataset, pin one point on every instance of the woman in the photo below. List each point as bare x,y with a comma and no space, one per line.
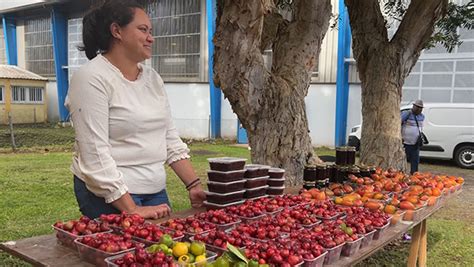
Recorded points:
122,121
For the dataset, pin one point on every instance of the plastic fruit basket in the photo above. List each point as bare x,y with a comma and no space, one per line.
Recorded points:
351,247
368,237
224,198
256,170
95,256
226,164
334,254
66,238
227,187
250,220
413,215
256,182
214,206
225,177
380,230
397,217
316,262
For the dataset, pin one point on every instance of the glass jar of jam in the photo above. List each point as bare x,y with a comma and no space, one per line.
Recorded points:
351,155
309,174
320,172
308,185
341,155
341,174
331,172
364,171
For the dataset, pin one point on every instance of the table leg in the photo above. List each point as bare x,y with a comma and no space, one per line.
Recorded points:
423,245
415,246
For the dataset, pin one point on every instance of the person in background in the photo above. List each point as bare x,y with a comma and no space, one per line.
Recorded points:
119,109
412,126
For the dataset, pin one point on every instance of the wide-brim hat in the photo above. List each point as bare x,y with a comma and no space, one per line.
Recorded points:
418,103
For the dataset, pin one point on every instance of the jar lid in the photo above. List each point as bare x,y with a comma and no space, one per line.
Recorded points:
351,148
321,166
341,148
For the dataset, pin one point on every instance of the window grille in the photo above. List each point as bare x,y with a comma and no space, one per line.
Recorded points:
2,93
39,56
3,50
23,94
177,34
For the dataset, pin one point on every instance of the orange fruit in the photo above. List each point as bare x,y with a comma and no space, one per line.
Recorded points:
338,200
390,209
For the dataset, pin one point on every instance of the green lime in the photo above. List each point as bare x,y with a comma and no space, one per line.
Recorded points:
197,248
253,263
239,264
167,240
153,248
221,262
191,258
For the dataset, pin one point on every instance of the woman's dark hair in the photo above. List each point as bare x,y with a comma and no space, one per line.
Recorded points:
96,36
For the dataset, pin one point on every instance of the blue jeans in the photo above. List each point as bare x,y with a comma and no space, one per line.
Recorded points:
93,206
413,156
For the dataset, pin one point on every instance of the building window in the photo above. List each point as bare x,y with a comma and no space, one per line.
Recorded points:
177,35
39,56
2,93
3,50
23,94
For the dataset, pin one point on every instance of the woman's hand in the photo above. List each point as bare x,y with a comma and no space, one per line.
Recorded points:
153,212
196,196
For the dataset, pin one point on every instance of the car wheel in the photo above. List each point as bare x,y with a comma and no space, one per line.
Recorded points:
464,157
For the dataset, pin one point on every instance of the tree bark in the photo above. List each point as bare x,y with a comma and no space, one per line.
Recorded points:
270,104
383,66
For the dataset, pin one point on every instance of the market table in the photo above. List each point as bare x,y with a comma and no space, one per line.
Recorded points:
44,250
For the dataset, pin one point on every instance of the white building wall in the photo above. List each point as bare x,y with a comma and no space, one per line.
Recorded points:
228,120
190,108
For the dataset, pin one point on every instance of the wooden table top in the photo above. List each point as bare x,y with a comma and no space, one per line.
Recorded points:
44,250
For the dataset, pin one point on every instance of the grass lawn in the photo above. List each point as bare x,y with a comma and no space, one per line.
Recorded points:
36,190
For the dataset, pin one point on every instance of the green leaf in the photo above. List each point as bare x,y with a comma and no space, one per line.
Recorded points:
237,253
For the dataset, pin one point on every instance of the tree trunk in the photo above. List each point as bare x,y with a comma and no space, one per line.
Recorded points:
270,104
383,65
381,142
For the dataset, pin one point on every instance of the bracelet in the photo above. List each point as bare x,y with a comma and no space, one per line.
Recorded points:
193,183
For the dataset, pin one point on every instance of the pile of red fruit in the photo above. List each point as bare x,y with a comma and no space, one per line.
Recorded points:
142,258
220,238
151,232
110,243
301,215
218,217
260,230
123,220
83,226
275,254
190,225
324,211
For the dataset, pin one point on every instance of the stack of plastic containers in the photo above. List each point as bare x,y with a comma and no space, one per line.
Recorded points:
256,177
226,182
276,181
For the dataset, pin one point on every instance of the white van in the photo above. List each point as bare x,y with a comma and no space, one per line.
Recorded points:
449,128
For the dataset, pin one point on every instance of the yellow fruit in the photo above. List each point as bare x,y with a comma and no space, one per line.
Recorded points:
197,248
180,249
201,260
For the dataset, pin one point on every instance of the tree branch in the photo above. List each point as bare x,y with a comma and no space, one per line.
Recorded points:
297,47
416,28
271,26
237,40
368,30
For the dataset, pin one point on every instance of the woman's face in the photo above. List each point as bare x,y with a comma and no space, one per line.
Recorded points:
137,37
